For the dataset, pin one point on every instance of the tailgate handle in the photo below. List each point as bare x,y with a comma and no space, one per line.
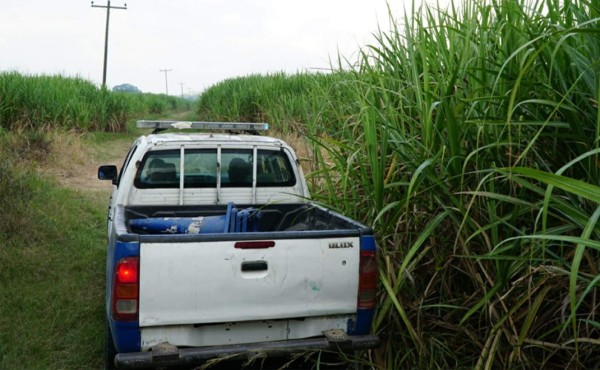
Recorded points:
254,266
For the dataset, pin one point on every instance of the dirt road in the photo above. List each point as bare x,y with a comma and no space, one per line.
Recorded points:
74,160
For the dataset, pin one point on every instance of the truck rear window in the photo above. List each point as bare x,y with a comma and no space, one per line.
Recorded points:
162,169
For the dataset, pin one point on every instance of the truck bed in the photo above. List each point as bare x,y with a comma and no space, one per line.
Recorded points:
276,218
295,266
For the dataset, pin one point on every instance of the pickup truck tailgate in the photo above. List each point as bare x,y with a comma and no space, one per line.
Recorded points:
221,281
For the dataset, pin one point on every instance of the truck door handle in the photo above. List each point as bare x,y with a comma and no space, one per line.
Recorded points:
254,266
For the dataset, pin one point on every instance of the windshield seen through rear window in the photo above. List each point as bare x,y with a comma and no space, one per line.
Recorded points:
162,169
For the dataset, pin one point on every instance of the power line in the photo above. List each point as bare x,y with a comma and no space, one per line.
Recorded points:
108,8
166,81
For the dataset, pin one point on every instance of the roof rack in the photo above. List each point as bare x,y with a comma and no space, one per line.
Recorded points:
158,126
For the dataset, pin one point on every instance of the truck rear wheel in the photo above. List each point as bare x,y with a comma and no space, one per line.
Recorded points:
109,349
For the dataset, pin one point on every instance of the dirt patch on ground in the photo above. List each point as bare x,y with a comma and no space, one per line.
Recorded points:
74,162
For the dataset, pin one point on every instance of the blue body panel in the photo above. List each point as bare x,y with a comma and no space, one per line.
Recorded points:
367,243
126,334
364,317
362,324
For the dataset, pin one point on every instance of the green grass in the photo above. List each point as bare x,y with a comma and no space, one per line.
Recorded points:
45,102
52,251
286,101
469,138
53,239
52,280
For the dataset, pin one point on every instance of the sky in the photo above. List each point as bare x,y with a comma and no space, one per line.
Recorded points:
201,42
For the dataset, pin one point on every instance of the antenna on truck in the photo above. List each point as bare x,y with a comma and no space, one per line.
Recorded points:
158,126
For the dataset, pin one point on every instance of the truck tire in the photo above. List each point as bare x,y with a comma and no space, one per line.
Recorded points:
109,349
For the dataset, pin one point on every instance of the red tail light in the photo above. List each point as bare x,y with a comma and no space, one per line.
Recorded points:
367,284
125,293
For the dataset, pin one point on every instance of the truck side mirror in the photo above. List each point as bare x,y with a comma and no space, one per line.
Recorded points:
107,172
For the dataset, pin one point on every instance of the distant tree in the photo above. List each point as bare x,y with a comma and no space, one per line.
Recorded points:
127,88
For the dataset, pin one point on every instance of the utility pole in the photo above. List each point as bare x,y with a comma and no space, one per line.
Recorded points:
181,84
166,81
108,8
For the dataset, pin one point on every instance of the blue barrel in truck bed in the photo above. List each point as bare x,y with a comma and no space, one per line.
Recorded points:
234,220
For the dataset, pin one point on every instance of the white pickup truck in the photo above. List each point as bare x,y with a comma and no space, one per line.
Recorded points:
215,250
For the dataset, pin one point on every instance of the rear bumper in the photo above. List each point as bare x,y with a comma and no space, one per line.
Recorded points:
172,356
